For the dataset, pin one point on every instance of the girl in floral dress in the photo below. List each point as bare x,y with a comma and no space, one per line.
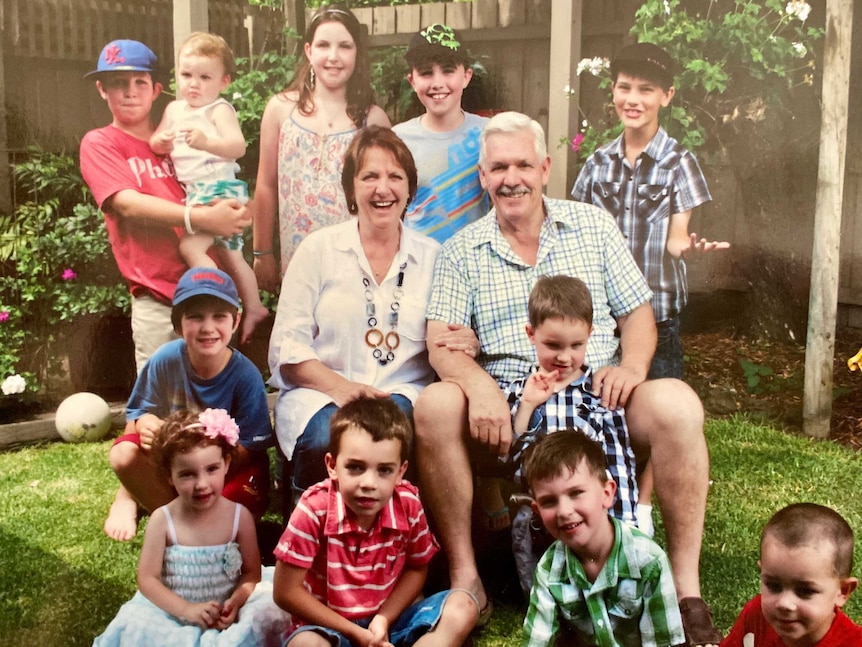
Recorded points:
199,575
303,135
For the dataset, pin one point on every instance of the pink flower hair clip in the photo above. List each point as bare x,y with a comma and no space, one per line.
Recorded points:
217,422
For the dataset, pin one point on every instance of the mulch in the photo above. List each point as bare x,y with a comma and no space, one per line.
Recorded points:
772,386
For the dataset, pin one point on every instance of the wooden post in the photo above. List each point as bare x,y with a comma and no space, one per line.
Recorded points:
189,16
294,16
5,166
823,299
563,107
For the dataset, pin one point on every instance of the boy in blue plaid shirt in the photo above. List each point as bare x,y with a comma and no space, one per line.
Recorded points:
650,184
601,583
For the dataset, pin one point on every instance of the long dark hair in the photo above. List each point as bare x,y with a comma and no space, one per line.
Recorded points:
360,96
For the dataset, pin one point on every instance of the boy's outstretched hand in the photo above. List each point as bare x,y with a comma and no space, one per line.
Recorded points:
683,247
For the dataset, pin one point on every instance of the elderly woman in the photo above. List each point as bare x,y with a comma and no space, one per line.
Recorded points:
351,316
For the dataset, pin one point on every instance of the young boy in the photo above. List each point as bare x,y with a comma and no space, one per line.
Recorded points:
201,133
196,372
601,582
806,557
650,184
445,140
139,195
354,556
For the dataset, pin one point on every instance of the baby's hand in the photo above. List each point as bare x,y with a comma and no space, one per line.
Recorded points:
539,387
195,138
228,615
163,143
204,614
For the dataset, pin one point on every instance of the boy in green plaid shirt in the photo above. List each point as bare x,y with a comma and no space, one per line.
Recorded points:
601,583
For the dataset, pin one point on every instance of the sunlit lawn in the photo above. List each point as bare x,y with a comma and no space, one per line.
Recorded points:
62,580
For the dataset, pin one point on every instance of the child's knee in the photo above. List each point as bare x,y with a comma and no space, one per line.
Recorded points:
124,455
460,611
307,639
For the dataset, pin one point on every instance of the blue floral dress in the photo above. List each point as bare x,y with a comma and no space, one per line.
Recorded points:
199,574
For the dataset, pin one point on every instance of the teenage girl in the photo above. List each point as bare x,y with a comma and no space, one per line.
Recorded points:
304,133
200,566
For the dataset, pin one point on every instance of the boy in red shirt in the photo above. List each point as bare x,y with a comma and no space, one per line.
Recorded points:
806,556
354,556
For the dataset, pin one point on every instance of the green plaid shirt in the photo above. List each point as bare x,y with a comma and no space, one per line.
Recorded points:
632,603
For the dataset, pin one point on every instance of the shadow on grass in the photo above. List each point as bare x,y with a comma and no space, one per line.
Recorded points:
46,602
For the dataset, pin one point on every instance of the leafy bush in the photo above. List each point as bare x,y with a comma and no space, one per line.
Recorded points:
56,267
743,67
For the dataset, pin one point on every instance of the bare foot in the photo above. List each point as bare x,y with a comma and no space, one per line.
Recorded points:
250,319
122,521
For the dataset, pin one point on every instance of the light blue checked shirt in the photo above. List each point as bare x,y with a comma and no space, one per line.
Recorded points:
665,180
632,602
480,282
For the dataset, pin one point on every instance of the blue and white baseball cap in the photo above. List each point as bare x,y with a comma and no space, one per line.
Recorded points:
125,56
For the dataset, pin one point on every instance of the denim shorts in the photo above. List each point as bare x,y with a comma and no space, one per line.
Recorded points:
413,623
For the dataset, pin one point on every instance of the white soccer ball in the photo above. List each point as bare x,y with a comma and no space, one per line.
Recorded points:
83,417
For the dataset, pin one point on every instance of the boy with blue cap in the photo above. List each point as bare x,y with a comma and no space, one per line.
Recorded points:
196,372
142,201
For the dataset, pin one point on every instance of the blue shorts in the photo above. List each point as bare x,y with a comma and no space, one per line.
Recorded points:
413,623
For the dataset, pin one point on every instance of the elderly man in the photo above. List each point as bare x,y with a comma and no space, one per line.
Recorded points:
483,279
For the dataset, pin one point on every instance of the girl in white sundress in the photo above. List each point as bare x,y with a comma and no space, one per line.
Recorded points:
304,133
199,576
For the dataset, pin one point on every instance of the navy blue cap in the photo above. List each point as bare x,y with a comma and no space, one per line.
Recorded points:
200,281
125,56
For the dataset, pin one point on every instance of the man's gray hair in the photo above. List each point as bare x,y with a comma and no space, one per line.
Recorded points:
512,122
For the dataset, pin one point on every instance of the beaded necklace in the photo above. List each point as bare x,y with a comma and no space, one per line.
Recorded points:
375,339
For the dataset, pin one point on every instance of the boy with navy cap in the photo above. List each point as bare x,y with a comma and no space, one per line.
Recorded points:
198,371
445,140
143,207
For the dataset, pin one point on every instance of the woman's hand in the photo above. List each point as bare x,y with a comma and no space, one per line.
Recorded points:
348,391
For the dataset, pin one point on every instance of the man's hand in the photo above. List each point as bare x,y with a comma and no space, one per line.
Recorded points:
615,384
489,417
460,338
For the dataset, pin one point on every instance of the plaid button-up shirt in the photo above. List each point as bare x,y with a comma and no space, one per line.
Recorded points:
632,602
665,180
480,282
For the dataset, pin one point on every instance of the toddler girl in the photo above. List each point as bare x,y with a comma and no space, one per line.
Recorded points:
304,133
201,133
199,572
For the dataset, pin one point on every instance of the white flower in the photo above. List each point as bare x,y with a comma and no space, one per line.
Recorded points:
594,66
585,124
667,7
569,91
798,9
237,95
13,384
800,49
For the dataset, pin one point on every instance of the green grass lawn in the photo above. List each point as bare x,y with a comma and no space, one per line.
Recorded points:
62,580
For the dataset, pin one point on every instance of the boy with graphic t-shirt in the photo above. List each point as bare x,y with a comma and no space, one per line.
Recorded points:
445,140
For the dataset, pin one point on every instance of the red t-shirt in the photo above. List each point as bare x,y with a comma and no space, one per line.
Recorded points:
147,255
842,633
350,570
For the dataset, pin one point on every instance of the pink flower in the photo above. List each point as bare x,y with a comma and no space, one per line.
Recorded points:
4,315
217,423
69,274
577,141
